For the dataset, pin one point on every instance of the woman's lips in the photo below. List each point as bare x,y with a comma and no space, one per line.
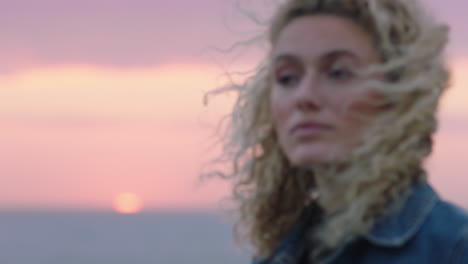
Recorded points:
309,129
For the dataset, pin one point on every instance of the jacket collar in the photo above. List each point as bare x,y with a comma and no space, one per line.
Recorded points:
389,231
397,228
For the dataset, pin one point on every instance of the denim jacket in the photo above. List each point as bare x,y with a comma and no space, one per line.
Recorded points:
425,230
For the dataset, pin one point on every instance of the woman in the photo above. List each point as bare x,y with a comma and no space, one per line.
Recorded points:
328,138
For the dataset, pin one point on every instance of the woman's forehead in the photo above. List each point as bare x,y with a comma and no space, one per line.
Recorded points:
315,36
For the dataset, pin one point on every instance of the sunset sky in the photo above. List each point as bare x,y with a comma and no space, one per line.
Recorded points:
102,97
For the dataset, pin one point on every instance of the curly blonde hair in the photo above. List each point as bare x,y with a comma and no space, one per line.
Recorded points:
272,194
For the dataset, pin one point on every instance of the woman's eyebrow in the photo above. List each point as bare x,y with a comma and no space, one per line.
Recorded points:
334,54
284,57
330,55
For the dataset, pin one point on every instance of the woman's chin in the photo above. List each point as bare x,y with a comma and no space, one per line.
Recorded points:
308,157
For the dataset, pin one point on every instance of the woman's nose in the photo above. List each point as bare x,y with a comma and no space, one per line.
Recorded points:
308,93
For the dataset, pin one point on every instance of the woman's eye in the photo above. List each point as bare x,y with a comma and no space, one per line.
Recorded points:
288,80
340,74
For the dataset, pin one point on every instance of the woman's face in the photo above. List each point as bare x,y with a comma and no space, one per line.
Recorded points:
314,100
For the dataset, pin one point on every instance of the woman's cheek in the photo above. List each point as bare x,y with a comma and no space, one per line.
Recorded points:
368,104
279,113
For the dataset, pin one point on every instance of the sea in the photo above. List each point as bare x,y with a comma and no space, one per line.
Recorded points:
32,237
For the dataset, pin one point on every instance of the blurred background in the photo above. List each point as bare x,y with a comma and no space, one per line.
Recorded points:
103,132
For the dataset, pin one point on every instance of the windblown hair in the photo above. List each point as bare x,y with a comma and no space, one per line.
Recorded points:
272,194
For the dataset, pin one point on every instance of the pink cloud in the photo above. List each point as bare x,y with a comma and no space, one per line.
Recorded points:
118,33
141,33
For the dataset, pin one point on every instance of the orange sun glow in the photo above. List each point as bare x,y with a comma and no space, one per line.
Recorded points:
127,203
